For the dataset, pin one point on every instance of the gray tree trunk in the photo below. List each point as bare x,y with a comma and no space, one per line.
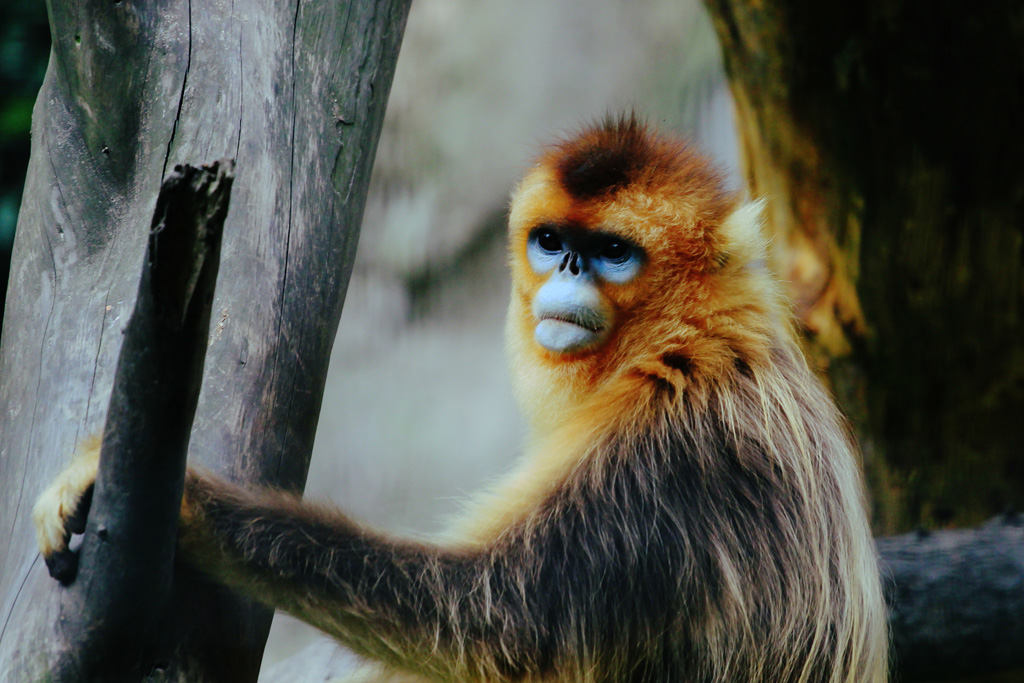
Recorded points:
294,93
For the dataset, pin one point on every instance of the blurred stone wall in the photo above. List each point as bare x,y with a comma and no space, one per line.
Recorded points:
418,410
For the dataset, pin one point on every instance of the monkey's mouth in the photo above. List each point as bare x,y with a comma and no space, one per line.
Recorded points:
589,325
567,333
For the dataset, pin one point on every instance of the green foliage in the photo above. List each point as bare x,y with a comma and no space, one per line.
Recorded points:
24,48
15,119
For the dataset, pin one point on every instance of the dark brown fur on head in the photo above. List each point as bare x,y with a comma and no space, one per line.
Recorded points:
606,157
625,152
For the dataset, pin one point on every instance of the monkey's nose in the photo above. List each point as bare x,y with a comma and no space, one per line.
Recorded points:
574,262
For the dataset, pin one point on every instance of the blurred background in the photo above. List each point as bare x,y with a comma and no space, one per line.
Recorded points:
24,49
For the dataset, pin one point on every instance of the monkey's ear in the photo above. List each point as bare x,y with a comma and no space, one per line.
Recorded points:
744,241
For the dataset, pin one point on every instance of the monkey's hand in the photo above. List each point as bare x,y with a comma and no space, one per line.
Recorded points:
62,509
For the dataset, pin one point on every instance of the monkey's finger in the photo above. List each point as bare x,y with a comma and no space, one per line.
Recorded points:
49,516
62,508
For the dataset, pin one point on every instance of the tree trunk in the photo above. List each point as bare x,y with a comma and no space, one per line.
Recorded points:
886,134
294,93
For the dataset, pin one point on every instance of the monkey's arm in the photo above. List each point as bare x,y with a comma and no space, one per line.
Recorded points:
496,613
559,590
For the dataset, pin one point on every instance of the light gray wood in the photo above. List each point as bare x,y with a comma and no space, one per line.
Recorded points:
295,93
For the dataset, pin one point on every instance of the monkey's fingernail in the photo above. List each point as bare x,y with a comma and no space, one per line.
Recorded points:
63,566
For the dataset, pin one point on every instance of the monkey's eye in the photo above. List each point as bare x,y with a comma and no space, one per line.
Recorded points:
615,251
548,241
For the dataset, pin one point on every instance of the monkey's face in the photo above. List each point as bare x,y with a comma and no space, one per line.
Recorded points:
576,266
623,247
576,271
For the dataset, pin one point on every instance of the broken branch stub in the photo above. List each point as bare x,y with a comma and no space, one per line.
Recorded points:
123,593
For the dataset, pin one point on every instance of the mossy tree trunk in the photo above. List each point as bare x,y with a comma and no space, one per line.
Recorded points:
886,135
293,93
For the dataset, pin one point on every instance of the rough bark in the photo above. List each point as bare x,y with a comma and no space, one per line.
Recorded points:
294,93
886,135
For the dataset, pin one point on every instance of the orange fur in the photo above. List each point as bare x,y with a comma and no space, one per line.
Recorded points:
687,301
